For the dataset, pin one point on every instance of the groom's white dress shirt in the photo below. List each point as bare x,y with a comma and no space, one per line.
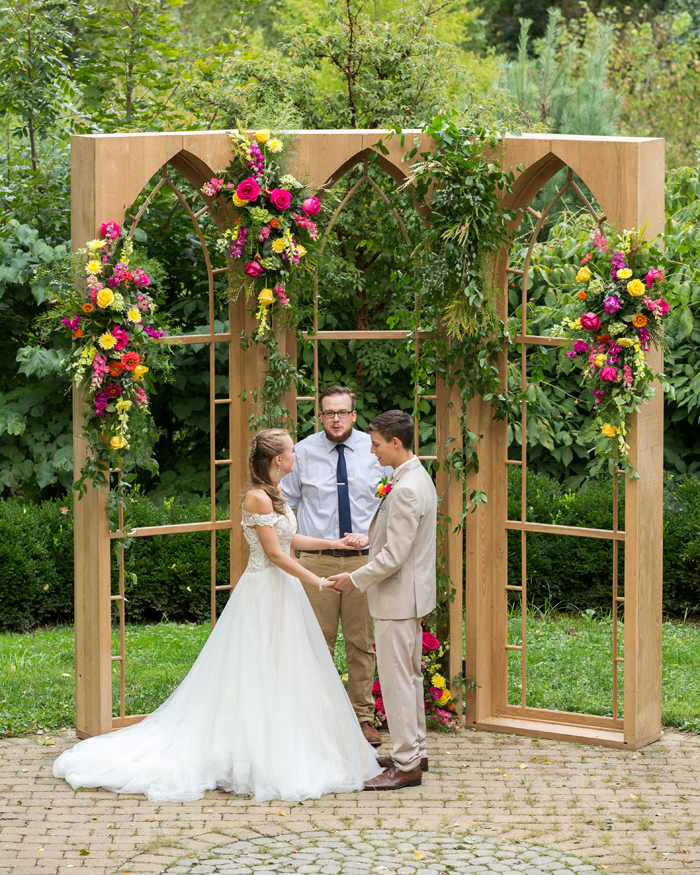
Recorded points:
312,485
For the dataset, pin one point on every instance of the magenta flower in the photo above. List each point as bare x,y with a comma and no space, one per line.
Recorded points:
111,231
590,322
654,276
113,282
580,347
618,263
611,305
430,642
248,190
140,396
311,206
253,269
662,307
122,338
376,689
280,198
599,395
113,390
608,374
140,278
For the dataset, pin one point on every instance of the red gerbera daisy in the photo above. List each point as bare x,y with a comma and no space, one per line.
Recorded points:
130,361
113,391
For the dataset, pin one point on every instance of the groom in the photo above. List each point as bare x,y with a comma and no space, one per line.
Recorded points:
399,580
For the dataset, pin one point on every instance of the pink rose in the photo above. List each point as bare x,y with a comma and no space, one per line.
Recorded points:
590,322
248,190
141,278
311,206
376,689
609,374
280,198
122,338
430,642
253,269
662,306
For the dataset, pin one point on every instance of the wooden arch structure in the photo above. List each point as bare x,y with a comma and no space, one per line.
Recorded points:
626,177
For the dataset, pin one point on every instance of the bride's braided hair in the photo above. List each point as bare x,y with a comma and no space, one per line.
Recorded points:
266,445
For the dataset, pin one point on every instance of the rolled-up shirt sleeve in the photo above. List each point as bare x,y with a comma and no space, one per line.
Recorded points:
402,526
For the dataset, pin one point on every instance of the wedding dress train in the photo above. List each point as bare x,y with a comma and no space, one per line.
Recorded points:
262,711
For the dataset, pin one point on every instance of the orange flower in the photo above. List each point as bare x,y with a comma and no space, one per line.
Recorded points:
640,320
87,307
274,223
78,332
381,489
603,338
130,361
582,296
115,370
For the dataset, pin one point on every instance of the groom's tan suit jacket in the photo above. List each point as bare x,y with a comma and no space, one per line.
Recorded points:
399,578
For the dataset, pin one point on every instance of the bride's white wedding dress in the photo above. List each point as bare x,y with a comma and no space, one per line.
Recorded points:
262,711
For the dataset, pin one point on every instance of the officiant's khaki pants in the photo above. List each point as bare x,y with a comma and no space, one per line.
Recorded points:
399,651
358,627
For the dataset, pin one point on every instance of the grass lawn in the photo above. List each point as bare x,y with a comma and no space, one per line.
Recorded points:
569,668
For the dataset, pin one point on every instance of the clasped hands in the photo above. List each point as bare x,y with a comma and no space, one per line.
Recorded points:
342,582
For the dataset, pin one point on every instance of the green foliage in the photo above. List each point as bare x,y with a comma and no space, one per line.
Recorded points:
565,87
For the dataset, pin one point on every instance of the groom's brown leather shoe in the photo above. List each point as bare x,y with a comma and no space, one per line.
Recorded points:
370,733
393,779
385,762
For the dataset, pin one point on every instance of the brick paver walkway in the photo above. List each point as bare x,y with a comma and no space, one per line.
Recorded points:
618,811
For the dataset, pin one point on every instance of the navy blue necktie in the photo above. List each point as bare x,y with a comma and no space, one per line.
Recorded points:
344,518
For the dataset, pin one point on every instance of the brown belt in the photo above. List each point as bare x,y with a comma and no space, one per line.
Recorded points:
339,553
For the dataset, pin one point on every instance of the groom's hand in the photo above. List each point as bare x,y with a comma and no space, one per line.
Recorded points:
356,542
341,582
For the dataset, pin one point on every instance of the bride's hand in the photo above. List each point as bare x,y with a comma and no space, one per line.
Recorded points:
353,541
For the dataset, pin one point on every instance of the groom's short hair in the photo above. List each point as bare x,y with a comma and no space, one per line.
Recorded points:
394,423
336,390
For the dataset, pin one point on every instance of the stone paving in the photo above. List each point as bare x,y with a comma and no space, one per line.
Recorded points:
490,803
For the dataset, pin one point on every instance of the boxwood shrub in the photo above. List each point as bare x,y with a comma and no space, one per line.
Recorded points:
168,576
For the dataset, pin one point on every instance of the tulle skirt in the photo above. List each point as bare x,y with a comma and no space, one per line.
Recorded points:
262,712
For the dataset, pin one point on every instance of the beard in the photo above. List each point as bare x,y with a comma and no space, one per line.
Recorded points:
341,436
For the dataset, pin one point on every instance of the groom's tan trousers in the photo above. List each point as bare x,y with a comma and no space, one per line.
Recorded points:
399,651
358,627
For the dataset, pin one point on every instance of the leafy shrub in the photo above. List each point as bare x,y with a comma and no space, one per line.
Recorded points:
171,572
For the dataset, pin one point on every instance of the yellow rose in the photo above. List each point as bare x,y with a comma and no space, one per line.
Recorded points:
279,245
624,341
583,275
300,251
238,201
117,442
105,297
438,681
139,371
444,698
624,274
266,297
262,136
608,430
94,267
600,359
107,340
133,315
636,288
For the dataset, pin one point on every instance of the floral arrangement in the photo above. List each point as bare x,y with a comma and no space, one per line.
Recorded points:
273,224
383,488
114,353
618,316
438,701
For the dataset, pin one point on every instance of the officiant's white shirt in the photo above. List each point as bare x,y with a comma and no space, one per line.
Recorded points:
312,485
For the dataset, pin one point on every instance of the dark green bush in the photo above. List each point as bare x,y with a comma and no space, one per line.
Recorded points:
171,573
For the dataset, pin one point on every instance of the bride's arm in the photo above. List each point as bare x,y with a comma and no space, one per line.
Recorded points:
256,501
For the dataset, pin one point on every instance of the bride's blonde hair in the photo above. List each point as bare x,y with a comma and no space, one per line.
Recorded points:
266,445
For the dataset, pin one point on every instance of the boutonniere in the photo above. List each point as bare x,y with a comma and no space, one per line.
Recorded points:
383,489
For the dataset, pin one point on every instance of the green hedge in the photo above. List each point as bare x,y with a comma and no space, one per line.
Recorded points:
171,573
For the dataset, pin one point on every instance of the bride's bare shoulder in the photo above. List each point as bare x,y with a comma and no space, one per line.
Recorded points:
257,501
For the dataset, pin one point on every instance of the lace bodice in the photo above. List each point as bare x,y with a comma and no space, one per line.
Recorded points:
285,526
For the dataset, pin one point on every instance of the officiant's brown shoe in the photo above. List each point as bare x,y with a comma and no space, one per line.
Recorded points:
393,779
370,733
385,762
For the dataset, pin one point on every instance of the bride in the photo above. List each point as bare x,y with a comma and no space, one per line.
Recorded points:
262,711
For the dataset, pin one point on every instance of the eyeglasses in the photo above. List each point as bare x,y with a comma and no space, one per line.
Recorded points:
331,414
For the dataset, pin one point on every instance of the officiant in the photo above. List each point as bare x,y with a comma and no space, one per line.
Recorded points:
333,489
